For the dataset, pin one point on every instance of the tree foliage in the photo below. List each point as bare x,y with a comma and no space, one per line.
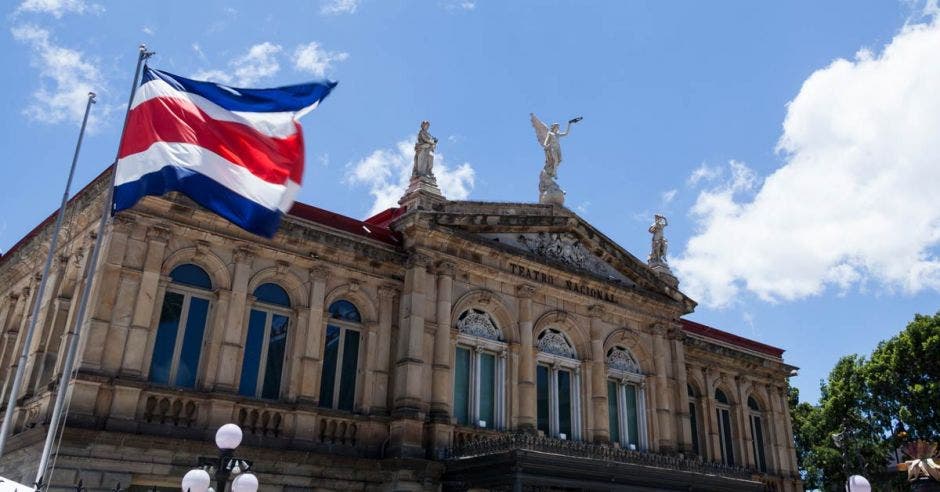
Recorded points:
865,400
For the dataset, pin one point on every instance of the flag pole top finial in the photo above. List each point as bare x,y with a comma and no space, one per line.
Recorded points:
144,54
92,96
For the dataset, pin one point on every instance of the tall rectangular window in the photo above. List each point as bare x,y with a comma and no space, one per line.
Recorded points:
758,435
724,427
693,421
347,384
487,389
462,386
613,411
274,366
564,403
165,343
633,432
330,354
543,399
254,345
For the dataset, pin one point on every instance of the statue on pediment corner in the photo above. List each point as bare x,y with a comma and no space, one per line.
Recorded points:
659,244
424,152
548,137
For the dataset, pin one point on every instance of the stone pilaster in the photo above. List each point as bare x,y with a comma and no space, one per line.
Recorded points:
146,301
442,376
666,435
409,411
527,396
600,410
387,296
230,354
310,360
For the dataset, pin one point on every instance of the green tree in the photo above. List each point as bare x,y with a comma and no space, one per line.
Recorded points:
904,376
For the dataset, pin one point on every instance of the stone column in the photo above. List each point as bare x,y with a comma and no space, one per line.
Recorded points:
311,359
442,375
29,297
739,412
711,417
407,430
683,422
230,352
601,420
11,333
789,461
527,415
146,301
49,313
663,398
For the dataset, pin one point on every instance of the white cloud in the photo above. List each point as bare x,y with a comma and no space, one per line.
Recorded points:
668,196
466,5
66,78
313,59
336,7
857,201
703,173
147,30
386,172
58,8
258,63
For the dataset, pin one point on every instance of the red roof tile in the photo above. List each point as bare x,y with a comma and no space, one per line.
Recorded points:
378,232
729,338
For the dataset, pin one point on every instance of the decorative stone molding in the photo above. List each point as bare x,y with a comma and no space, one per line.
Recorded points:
596,311
478,323
354,285
159,233
446,268
124,223
525,291
281,267
621,359
553,342
388,292
203,248
319,273
416,259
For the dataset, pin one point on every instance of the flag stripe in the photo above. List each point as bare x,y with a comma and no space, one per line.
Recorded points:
205,191
194,158
272,124
289,98
175,120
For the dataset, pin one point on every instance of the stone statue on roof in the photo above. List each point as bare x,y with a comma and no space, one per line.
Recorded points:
660,244
424,152
548,138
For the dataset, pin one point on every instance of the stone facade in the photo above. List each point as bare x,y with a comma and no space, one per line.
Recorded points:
544,338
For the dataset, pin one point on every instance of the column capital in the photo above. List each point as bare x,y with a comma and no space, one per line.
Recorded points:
388,291
418,259
525,291
596,311
243,254
445,268
319,272
123,223
158,233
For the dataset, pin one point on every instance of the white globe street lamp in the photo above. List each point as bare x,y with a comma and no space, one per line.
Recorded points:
226,465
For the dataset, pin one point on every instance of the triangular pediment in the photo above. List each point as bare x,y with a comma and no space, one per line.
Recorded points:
555,236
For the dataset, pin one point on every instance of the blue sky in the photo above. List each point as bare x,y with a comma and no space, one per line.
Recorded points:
793,145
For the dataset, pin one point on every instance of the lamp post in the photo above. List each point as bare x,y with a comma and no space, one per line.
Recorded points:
226,465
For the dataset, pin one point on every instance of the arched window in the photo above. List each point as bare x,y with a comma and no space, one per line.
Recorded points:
265,343
694,420
177,348
340,356
757,433
625,399
558,386
723,411
479,371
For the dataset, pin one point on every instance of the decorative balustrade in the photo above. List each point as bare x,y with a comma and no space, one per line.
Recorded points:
260,421
171,409
464,436
505,442
332,430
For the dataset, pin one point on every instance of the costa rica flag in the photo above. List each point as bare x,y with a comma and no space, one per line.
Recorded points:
238,152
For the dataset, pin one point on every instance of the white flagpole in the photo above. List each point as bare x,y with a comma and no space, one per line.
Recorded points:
37,300
92,268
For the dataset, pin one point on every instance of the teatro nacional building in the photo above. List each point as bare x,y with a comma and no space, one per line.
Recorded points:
439,345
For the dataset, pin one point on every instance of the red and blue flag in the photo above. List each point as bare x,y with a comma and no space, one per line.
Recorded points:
237,152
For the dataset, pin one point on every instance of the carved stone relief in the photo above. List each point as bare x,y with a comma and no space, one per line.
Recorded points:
553,342
621,359
477,323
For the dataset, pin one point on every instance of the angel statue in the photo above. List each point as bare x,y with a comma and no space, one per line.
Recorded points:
549,192
424,152
658,252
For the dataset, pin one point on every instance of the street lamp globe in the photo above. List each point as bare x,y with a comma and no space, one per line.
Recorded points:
246,482
196,480
858,483
229,436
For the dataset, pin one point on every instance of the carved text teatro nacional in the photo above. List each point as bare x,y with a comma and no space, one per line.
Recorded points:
440,345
